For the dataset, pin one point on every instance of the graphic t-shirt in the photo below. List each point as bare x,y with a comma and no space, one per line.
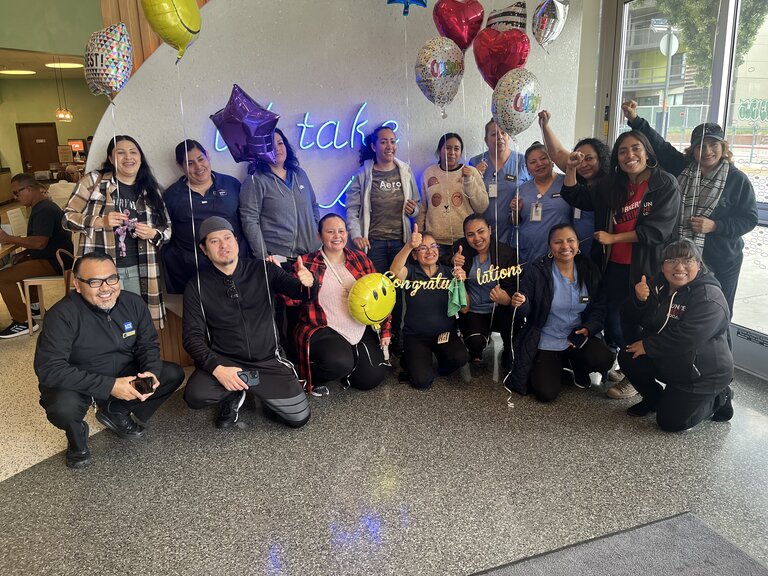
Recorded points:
625,220
126,242
386,205
426,311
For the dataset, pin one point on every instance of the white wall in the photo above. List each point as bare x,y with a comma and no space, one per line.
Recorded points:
325,58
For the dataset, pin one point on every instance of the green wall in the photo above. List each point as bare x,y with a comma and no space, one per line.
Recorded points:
48,25
35,101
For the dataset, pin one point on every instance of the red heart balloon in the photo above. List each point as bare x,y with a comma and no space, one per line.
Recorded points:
496,53
459,21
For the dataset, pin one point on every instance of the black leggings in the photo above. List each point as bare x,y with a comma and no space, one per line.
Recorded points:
476,329
332,357
545,379
417,358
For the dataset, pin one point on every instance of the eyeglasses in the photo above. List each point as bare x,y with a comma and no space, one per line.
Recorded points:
423,248
99,282
231,288
20,190
678,261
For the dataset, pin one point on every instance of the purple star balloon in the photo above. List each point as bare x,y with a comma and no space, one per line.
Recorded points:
247,128
407,4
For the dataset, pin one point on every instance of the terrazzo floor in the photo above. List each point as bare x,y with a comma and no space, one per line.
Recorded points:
393,481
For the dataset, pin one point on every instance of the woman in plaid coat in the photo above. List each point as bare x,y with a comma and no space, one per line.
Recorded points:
120,210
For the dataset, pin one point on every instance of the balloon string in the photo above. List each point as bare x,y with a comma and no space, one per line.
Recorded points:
114,145
407,87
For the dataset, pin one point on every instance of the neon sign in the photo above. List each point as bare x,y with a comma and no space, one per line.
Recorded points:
327,136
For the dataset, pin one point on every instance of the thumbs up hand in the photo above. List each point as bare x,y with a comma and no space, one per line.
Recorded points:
642,290
458,257
416,238
305,276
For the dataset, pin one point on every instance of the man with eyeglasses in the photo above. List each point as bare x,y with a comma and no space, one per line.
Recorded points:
45,236
230,332
99,345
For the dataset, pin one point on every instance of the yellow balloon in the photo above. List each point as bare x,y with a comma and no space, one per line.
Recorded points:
371,299
177,22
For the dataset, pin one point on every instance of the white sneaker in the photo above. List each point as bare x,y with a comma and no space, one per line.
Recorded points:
622,390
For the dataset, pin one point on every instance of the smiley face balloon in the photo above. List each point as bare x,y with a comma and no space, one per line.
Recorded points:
371,299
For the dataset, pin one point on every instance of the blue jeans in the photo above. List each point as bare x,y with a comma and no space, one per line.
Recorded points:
129,279
381,253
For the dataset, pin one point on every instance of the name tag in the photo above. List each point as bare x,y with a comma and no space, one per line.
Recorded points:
510,177
492,190
536,212
129,334
584,300
443,338
556,195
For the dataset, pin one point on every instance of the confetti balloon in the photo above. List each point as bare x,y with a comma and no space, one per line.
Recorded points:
247,128
371,299
439,70
496,53
513,16
548,21
516,101
407,4
108,60
459,21
177,22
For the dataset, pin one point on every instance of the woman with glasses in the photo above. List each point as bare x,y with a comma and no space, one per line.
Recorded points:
718,201
331,344
120,211
636,211
488,291
564,309
684,318
428,329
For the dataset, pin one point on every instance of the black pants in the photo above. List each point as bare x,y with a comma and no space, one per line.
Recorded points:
417,358
66,409
476,329
676,409
331,358
278,389
545,378
618,287
727,273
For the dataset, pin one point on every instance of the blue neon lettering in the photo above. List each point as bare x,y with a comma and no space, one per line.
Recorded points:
304,125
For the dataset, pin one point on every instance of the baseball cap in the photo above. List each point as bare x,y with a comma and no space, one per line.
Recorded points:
706,130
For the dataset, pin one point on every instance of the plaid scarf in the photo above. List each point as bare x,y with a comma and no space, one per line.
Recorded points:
700,195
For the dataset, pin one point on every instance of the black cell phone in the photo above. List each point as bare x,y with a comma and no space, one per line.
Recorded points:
250,377
144,385
577,340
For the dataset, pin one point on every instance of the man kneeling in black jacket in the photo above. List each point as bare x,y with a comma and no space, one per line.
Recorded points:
99,343
229,331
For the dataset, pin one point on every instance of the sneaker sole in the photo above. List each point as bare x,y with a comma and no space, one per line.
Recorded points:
104,419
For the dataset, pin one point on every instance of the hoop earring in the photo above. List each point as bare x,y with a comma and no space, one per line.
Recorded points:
550,255
578,251
655,162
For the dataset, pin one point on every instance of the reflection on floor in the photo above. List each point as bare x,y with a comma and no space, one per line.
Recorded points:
393,481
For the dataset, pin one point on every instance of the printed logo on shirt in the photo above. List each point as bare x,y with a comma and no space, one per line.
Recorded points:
383,185
677,311
628,213
647,207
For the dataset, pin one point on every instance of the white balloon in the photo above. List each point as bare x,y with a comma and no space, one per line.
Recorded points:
516,101
439,70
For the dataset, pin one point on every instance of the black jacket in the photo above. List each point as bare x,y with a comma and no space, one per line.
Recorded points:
685,333
83,348
239,320
735,213
538,288
656,222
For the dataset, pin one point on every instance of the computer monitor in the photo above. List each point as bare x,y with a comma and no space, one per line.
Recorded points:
76,145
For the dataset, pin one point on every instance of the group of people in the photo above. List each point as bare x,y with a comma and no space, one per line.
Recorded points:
632,251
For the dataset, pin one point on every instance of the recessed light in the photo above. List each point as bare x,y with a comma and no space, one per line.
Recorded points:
63,65
17,72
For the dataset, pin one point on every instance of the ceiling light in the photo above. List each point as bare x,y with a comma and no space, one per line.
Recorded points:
62,114
17,72
63,65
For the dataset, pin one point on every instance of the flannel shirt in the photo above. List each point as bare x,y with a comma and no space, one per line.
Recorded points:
91,199
312,317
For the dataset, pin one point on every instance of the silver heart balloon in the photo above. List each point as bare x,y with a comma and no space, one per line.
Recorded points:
548,21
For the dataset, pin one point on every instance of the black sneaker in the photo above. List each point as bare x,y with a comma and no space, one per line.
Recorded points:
642,408
35,308
725,412
18,329
120,423
582,380
78,455
230,410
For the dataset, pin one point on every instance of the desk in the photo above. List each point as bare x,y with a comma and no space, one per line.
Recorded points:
6,249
